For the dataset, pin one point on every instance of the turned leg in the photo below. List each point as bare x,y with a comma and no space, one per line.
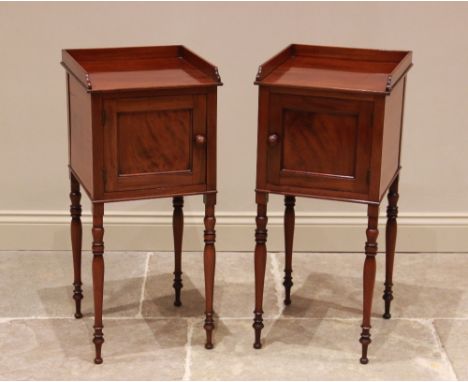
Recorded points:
209,261
260,264
289,202
178,229
98,277
76,240
369,278
390,242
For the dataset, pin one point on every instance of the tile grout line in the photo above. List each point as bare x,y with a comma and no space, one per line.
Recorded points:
286,318
274,265
188,351
440,347
143,285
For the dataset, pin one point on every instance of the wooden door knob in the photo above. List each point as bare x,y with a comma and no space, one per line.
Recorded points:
273,139
200,139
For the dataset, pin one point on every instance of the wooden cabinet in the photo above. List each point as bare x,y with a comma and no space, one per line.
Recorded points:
142,124
330,124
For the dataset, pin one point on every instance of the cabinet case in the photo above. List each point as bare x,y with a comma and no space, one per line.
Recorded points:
142,124
145,125
330,122
330,126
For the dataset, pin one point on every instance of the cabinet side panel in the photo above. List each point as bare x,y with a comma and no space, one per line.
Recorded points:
391,136
81,144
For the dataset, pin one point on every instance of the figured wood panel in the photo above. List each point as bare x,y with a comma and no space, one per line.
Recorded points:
319,143
154,141
392,135
80,133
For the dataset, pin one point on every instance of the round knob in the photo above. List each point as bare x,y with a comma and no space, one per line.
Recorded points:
273,139
200,139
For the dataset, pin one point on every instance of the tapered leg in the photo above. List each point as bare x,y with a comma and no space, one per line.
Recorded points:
289,217
369,278
98,276
209,260
390,242
260,264
76,240
178,229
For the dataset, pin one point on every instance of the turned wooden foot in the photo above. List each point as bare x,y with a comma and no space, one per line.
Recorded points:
390,243
98,277
178,229
369,278
289,217
209,261
260,264
76,240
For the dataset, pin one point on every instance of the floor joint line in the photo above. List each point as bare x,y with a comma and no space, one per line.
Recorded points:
143,285
275,269
188,351
440,347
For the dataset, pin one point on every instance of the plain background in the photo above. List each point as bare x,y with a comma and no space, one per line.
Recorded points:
237,37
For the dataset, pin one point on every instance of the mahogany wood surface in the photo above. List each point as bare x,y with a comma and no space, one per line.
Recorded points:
142,124
117,69
393,123
329,127
80,132
347,69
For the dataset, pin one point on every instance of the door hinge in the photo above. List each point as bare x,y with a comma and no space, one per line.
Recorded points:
104,176
368,177
103,117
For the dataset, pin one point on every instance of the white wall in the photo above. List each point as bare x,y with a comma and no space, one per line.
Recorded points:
237,37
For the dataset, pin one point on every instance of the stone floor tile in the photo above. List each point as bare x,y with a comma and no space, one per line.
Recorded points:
454,337
61,349
234,286
330,285
314,349
40,284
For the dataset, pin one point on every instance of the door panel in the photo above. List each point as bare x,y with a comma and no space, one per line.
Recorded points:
150,142
320,143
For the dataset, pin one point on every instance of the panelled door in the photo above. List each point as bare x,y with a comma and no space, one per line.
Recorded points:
154,142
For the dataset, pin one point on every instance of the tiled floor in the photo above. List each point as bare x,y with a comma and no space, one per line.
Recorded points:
314,338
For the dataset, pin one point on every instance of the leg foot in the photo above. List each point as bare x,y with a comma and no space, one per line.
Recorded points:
258,326
365,340
209,327
98,340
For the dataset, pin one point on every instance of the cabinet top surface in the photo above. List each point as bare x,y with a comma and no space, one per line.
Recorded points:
348,69
158,67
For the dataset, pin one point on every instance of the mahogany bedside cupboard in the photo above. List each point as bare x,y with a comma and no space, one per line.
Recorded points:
142,124
329,127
